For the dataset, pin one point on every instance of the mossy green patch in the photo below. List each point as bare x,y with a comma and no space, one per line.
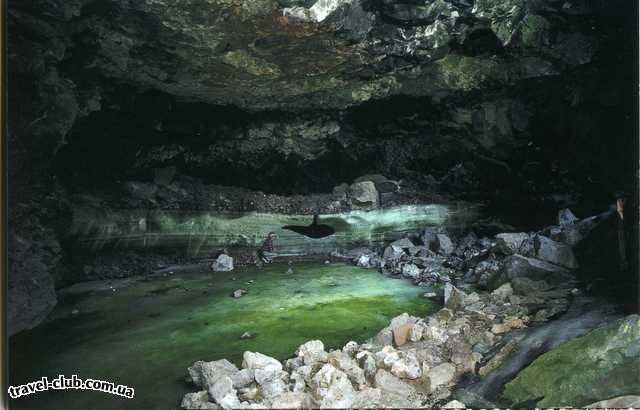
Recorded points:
604,363
146,335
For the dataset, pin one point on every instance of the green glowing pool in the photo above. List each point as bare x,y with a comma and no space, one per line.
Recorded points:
147,334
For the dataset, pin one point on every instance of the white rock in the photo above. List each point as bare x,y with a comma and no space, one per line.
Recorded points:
273,387
224,263
342,361
198,401
503,292
224,394
351,348
368,398
312,352
407,367
258,360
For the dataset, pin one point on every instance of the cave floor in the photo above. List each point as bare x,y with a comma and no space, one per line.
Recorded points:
147,334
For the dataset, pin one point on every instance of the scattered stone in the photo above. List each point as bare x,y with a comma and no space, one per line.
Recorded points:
445,246
344,362
430,295
404,243
198,401
440,375
248,335
416,332
224,263
312,352
507,325
224,394
453,297
368,363
407,367
243,378
293,400
75,312
256,360
454,404
444,315
332,388
411,271
238,293
510,243
554,252
389,383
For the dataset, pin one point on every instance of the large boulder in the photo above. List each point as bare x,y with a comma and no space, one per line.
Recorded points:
363,195
259,361
554,252
602,363
517,266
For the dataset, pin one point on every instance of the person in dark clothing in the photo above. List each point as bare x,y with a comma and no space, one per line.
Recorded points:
267,247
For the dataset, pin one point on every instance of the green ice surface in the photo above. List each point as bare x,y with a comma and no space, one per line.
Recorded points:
199,232
146,335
